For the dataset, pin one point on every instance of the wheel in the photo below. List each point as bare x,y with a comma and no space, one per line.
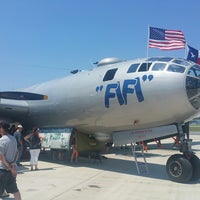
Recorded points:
179,169
195,162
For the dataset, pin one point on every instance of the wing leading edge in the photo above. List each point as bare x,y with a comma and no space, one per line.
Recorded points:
22,96
14,105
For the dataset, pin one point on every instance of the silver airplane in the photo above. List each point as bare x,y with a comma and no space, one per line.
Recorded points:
135,100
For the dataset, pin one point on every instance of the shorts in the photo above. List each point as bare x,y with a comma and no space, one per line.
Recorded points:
7,182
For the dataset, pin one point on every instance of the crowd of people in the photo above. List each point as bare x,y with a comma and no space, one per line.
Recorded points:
11,149
8,157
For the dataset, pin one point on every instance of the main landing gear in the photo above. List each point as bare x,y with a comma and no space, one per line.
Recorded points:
184,167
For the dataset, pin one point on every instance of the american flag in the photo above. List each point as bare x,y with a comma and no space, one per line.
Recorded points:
166,39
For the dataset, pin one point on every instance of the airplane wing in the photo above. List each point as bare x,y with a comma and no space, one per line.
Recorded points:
13,110
15,95
14,105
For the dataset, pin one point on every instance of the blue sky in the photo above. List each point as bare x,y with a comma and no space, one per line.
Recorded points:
42,40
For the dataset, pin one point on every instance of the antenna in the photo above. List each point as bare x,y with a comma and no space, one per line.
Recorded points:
93,63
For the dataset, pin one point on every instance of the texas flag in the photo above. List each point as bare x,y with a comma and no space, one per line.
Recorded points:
193,55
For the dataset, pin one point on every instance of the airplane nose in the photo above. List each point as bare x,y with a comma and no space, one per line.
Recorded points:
193,86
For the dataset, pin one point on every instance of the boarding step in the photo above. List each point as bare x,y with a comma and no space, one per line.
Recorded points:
140,159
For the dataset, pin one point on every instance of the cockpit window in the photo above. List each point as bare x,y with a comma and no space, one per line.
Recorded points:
161,59
133,68
175,68
158,67
144,67
194,71
110,74
181,62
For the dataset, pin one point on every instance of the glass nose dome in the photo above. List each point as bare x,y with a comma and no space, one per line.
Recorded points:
193,86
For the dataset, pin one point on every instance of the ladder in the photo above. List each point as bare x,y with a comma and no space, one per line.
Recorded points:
142,167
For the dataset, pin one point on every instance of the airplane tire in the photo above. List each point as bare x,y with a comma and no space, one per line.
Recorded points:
179,169
195,162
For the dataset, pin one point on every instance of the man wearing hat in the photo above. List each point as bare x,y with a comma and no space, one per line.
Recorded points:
18,137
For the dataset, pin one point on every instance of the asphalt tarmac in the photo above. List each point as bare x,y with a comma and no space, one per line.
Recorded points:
114,178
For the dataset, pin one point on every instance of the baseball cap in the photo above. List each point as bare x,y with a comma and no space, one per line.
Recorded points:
19,126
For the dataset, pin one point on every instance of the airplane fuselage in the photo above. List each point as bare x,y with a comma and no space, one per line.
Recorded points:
133,101
94,101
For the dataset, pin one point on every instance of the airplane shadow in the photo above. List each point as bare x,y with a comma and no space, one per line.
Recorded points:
122,166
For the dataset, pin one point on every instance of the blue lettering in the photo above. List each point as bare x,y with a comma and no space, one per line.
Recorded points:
119,95
109,94
128,90
138,90
130,87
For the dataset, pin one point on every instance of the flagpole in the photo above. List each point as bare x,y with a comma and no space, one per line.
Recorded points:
186,52
147,48
148,43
